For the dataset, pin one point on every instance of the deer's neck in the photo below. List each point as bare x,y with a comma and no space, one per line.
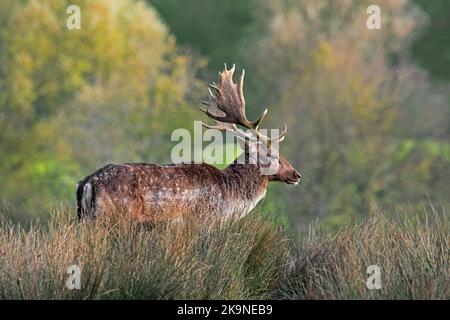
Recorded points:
245,181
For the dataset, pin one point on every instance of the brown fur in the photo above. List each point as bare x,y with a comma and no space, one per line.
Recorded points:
147,192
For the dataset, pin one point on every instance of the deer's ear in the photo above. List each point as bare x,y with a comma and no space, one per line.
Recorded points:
269,166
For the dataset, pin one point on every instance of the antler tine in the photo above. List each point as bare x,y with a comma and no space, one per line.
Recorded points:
229,98
214,86
231,71
227,105
232,128
281,136
260,118
220,126
268,141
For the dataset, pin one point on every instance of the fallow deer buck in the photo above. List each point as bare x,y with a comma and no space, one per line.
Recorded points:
151,193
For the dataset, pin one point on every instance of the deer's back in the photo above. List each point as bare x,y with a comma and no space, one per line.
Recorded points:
148,192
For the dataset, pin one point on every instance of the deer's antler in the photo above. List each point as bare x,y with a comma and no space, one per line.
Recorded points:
227,106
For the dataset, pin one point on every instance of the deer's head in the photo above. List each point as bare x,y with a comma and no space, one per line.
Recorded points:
226,105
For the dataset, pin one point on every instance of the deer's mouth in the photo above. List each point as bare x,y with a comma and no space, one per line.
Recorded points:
293,181
294,178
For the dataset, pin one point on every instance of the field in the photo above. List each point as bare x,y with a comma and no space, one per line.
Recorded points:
249,259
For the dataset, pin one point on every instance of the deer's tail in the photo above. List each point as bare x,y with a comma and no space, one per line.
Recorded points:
85,200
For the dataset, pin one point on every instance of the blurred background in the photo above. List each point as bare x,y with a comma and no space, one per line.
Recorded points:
368,111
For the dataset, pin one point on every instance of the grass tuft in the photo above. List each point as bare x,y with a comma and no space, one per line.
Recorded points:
249,259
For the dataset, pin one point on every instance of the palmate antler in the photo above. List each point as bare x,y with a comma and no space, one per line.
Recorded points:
227,107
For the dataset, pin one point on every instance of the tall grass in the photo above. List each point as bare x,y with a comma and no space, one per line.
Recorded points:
124,260
249,259
413,254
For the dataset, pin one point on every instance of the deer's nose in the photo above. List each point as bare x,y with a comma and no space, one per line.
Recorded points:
297,175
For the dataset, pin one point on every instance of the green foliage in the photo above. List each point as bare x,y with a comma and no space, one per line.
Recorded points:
365,124
348,106
420,173
73,100
215,28
432,47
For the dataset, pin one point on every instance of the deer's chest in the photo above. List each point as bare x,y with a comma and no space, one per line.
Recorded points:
241,207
